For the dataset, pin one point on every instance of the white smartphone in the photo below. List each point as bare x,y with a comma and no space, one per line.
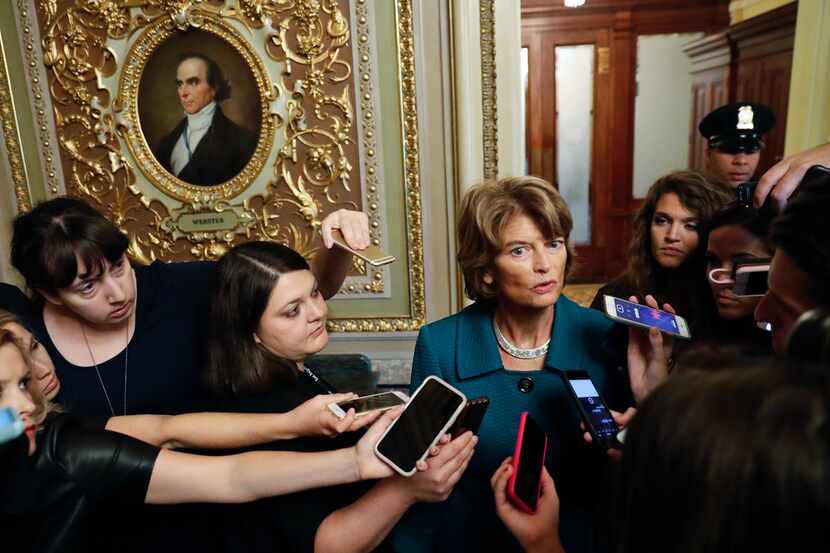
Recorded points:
636,314
372,255
751,278
11,426
368,404
429,414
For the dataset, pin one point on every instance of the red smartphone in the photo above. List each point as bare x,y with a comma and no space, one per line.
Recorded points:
528,461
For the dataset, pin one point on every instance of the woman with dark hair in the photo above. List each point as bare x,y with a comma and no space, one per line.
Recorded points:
666,254
126,339
66,467
267,315
738,232
723,462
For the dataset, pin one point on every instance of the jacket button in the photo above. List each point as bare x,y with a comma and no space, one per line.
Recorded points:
525,384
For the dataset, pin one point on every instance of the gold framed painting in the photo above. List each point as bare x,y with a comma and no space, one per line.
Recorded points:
316,117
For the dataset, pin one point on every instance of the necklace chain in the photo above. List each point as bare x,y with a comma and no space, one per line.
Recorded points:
517,352
98,372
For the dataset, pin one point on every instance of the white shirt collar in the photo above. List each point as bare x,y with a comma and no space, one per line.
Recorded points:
201,119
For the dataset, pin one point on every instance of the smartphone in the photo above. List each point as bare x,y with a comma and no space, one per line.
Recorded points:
751,276
595,415
528,461
372,255
429,414
368,404
11,426
636,314
470,417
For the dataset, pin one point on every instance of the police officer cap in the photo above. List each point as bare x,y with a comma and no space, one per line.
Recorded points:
737,127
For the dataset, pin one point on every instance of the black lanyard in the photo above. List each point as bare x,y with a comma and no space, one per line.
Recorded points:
328,388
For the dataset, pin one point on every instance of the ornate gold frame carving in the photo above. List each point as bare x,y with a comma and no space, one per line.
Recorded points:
122,203
412,181
8,118
489,107
39,99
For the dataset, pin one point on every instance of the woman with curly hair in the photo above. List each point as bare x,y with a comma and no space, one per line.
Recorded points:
668,246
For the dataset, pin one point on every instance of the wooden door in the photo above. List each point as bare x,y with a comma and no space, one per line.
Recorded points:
568,137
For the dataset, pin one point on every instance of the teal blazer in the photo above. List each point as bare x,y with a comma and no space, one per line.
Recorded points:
462,350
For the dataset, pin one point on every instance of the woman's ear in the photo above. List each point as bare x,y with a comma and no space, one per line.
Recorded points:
487,278
54,299
257,340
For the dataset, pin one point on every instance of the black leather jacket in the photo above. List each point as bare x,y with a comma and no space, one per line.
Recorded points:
46,498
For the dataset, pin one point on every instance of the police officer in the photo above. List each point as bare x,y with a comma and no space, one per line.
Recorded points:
734,134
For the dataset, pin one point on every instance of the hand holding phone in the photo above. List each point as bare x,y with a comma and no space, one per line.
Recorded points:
751,274
595,414
367,404
530,529
648,355
645,316
429,414
524,485
372,254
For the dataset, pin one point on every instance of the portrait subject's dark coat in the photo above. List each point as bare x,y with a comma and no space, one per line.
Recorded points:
220,155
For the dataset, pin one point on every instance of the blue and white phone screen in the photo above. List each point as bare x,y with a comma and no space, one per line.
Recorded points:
592,404
646,315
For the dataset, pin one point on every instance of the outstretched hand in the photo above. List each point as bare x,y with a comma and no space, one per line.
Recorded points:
648,354
536,533
369,465
314,418
781,180
354,225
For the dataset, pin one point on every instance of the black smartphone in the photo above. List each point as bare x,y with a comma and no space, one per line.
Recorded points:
528,461
592,409
751,274
429,414
470,417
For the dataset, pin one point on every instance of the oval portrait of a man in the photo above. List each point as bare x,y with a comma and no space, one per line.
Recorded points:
199,108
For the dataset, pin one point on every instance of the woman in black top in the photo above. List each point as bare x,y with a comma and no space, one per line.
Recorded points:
65,467
124,339
267,315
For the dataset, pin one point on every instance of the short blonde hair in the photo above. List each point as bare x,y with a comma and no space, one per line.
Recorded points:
487,208
42,404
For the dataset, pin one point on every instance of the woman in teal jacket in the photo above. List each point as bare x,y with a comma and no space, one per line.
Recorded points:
512,345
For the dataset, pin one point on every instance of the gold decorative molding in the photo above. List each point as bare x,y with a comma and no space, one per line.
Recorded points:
39,97
8,116
489,107
412,183
92,49
310,172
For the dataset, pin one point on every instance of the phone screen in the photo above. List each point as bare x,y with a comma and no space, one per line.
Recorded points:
370,403
531,457
646,315
424,417
756,283
598,414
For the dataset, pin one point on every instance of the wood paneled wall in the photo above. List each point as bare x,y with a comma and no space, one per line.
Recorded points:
623,21
749,62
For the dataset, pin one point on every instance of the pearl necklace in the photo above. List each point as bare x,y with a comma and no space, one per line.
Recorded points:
517,352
